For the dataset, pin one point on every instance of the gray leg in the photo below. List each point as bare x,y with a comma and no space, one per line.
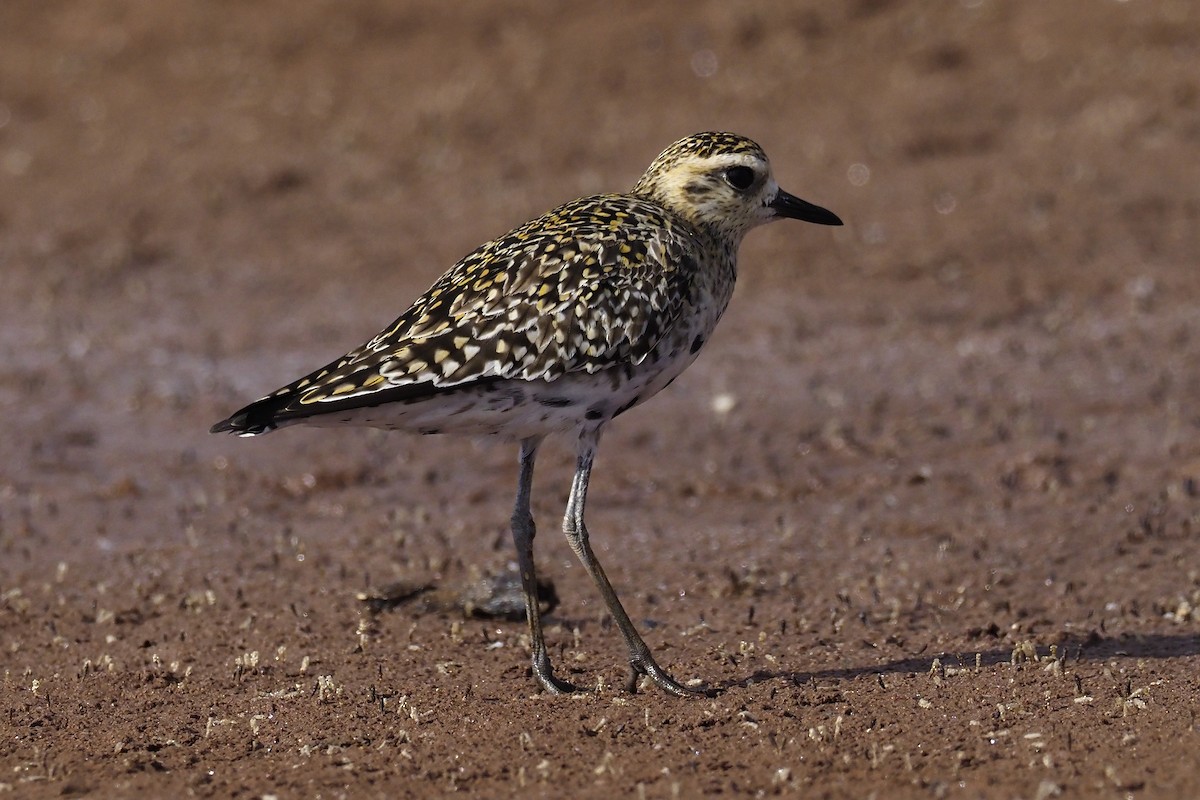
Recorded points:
523,531
640,660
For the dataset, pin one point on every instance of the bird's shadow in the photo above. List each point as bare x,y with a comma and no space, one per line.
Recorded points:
1072,650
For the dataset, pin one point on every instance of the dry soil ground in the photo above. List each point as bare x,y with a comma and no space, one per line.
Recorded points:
924,514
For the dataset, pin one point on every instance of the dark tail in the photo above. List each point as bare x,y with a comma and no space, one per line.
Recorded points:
258,417
285,408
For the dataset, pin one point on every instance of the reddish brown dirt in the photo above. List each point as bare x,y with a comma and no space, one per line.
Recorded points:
942,544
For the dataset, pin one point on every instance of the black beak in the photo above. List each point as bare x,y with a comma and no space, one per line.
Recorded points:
793,207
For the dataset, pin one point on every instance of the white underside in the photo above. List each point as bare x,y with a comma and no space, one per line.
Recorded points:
516,409
520,409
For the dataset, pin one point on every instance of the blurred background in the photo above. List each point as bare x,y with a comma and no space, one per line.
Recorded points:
985,381
297,167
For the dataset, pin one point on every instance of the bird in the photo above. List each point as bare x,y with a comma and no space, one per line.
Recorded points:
557,327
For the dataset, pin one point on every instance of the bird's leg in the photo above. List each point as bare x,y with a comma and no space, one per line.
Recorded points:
523,531
641,662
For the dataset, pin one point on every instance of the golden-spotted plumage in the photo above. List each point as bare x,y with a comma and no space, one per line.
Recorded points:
560,324
592,284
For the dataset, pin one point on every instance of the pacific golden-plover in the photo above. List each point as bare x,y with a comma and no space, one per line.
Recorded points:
560,325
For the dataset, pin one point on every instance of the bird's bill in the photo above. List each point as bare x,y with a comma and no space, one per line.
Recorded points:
792,207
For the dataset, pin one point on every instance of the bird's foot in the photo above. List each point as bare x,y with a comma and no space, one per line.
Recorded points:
640,665
550,684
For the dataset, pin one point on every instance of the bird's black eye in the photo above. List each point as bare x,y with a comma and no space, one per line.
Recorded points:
740,178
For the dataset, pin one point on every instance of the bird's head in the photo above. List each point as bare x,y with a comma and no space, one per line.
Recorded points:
723,182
